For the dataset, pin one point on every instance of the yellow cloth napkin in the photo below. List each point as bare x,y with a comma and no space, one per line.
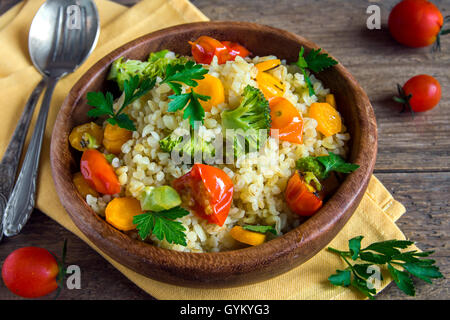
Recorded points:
375,217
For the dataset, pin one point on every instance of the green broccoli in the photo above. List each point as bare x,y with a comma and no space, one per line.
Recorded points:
251,116
155,67
189,146
311,164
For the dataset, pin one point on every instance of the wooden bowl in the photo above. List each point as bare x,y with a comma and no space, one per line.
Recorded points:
237,267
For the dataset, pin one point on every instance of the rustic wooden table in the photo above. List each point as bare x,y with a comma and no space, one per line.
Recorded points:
413,154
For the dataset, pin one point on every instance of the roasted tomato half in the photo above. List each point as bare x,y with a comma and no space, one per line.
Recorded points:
208,191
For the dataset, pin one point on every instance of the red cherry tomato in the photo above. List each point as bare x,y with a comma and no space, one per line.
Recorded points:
425,91
98,173
300,197
235,49
205,48
286,119
208,191
415,23
30,272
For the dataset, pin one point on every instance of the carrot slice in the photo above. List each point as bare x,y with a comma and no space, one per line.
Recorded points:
120,212
328,119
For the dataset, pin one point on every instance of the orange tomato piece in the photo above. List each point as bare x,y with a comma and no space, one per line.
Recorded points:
328,119
98,173
248,237
213,87
120,212
86,136
287,120
268,64
82,186
329,98
269,85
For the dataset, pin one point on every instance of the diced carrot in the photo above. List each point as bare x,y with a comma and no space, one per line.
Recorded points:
210,86
246,236
120,212
287,120
114,137
328,119
268,64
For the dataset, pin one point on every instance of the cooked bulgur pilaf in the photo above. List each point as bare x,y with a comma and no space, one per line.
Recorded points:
259,179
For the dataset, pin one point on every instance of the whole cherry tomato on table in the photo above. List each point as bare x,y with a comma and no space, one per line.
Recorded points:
301,198
31,272
208,191
420,93
98,173
416,23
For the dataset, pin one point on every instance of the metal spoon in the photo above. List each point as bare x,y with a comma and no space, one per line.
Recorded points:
11,157
62,35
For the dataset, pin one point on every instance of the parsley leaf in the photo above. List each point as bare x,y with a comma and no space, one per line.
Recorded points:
354,246
260,229
163,225
317,61
184,73
341,278
134,88
384,253
333,162
314,61
193,110
189,102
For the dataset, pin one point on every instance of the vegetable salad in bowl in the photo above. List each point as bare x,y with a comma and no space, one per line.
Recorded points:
214,151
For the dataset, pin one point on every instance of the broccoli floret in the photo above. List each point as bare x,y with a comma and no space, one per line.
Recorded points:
155,67
311,164
251,116
186,145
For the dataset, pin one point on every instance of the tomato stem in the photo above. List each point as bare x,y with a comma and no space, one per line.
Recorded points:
437,44
404,100
62,270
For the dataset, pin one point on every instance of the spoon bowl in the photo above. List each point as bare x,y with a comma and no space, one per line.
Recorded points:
45,40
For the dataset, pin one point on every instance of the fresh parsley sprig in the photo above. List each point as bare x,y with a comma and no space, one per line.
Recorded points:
314,61
334,162
186,73
103,103
163,225
401,265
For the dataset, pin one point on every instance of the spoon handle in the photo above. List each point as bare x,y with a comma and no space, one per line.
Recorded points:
11,157
22,199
